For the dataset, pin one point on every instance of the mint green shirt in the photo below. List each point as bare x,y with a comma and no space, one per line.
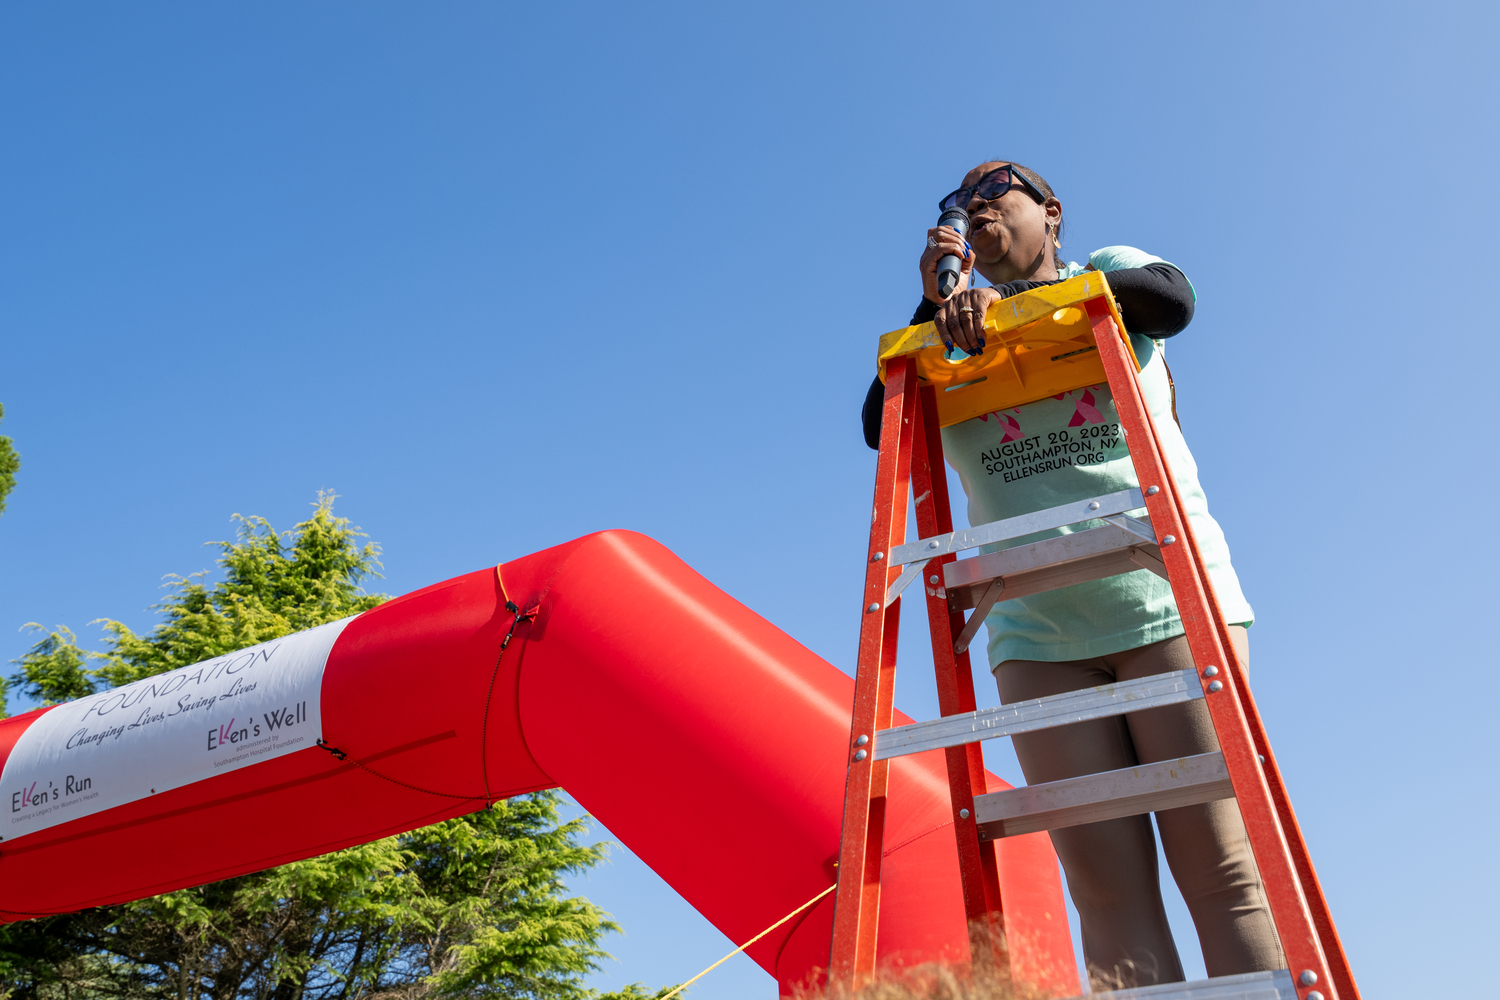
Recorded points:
1069,448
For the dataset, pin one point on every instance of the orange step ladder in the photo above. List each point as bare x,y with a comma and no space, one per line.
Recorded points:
1043,342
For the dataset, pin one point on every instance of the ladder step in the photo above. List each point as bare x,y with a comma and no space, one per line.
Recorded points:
1091,798
1250,986
1051,563
1015,527
1041,713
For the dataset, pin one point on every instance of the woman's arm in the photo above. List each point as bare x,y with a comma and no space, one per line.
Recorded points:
1155,300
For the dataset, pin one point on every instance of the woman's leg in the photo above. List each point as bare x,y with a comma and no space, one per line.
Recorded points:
1111,866
1206,845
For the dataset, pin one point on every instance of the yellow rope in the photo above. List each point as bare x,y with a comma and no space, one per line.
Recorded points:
747,944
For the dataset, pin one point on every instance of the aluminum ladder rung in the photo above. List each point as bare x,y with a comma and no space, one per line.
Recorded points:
1091,798
1041,713
1275,985
1050,563
1014,527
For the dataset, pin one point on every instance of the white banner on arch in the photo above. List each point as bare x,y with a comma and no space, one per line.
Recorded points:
167,731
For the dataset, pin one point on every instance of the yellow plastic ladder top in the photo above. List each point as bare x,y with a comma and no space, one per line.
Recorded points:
1037,344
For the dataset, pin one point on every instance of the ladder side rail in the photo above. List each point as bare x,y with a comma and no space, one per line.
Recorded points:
1312,888
856,912
978,865
1290,910
1341,970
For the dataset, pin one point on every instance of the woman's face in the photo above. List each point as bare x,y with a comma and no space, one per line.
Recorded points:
1010,234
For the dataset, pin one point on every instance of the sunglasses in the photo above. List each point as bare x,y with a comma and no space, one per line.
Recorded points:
991,186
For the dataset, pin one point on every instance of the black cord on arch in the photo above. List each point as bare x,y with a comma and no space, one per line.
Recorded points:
517,617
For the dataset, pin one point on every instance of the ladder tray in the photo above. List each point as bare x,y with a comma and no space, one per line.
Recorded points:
1038,344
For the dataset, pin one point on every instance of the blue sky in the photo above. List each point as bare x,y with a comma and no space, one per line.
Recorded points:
503,275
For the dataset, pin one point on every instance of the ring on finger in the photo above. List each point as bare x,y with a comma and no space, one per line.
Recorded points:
931,243
966,309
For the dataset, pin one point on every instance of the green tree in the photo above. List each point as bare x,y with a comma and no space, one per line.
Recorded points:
471,907
10,463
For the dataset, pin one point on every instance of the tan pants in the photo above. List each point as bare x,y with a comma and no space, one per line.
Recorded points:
1111,866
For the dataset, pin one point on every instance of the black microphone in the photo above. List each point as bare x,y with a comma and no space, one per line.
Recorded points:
949,269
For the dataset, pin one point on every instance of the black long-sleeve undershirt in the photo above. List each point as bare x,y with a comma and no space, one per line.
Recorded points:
1155,300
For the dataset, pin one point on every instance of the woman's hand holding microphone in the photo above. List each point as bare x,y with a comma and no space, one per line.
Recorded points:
960,318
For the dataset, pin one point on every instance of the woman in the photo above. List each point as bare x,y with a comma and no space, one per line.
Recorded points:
1107,630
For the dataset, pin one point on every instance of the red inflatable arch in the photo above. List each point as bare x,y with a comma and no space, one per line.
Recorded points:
706,739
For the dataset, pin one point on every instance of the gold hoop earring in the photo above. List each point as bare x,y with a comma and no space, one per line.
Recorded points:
1052,232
